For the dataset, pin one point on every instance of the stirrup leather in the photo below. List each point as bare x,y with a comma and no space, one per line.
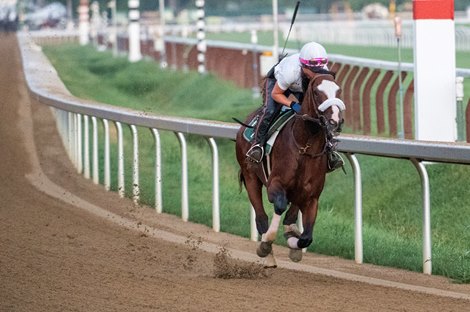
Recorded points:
255,153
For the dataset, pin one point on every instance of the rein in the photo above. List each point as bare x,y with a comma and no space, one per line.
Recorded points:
305,150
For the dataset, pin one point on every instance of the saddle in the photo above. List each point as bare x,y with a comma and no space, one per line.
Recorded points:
276,126
263,170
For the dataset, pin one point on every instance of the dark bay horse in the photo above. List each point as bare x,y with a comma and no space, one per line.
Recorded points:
298,168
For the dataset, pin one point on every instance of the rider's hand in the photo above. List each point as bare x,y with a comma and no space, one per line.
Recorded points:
295,106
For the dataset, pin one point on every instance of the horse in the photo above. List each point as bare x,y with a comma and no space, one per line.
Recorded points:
298,167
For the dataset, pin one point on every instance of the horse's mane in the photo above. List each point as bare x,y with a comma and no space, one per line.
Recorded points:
320,70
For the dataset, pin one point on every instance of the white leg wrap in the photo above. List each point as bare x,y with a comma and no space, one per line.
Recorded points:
263,238
292,242
270,235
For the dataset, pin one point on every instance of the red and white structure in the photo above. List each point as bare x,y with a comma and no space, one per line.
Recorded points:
435,70
83,22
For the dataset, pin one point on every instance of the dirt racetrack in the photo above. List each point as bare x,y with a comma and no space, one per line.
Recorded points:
68,245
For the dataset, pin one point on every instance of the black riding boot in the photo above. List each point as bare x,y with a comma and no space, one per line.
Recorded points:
271,108
335,161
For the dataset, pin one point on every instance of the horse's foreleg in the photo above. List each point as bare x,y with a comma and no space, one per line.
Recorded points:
308,219
277,196
265,247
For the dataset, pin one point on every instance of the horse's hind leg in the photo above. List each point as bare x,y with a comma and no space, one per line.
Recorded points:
290,222
308,220
254,189
291,215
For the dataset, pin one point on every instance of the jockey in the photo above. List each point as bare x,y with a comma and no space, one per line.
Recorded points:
287,79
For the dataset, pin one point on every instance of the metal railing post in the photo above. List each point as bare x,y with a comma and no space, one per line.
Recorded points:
107,157
75,141
79,144
358,248
96,178
158,172
427,254
215,185
121,187
86,151
135,165
184,177
69,134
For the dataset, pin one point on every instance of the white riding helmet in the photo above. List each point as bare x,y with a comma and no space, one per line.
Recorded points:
313,55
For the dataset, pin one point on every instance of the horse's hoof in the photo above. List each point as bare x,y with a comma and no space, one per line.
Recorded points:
264,249
295,255
270,262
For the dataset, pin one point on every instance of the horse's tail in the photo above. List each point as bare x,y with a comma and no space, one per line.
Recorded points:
241,179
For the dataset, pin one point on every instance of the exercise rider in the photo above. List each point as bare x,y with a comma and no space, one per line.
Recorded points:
286,80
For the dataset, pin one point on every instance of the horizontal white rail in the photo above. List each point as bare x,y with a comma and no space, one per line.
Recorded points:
46,87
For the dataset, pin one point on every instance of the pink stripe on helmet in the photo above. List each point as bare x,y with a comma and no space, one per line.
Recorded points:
315,62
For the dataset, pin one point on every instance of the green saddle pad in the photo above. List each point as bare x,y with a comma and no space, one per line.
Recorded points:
276,126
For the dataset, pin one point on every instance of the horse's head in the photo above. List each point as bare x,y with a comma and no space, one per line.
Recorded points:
321,102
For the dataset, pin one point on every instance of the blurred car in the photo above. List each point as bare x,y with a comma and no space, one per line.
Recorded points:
375,11
51,16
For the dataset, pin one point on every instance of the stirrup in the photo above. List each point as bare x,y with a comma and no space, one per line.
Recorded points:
335,161
255,153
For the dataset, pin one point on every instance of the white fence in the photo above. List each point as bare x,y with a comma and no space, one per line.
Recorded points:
368,33
343,32
45,86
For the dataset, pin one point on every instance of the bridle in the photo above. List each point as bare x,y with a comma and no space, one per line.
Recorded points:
330,145
330,127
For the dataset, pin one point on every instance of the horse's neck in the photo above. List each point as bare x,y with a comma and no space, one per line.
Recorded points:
305,133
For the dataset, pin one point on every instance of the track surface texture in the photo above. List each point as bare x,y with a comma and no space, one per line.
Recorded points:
68,245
